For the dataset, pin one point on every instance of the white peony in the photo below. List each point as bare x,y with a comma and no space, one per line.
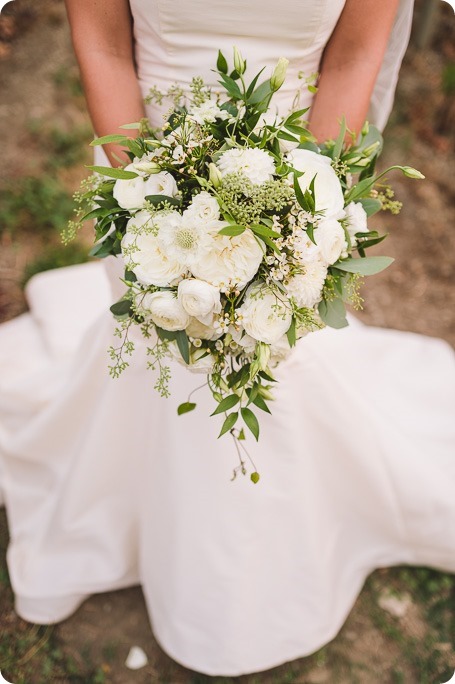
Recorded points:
356,220
257,165
204,207
207,112
327,187
131,194
165,310
306,288
199,299
143,253
331,239
230,261
265,316
183,237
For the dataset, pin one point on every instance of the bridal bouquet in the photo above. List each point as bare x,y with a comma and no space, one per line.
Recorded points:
239,234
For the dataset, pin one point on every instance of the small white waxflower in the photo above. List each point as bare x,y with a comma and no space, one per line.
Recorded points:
207,112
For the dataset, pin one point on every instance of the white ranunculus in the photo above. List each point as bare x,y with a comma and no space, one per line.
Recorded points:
331,239
207,112
201,331
230,261
199,299
183,237
356,220
306,288
327,187
257,165
265,316
204,207
144,255
165,310
131,194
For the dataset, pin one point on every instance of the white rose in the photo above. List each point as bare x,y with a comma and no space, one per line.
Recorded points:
257,165
204,207
327,187
131,194
331,239
356,220
165,310
202,331
265,316
207,112
144,255
230,261
199,299
306,288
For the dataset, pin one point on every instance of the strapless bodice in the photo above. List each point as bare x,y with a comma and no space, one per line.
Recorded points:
178,39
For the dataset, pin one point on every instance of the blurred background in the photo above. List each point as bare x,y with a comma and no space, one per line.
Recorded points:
402,629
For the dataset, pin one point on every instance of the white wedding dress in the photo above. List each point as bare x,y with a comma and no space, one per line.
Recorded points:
106,486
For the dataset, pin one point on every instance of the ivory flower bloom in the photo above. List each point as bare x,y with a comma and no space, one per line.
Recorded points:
204,207
327,187
131,194
257,165
199,299
144,255
331,240
356,220
230,261
165,310
306,287
265,317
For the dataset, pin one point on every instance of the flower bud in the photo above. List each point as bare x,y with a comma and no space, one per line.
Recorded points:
263,355
368,151
239,62
365,129
215,176
279,74
410,172
147,166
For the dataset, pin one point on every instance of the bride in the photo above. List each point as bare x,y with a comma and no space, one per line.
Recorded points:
106,487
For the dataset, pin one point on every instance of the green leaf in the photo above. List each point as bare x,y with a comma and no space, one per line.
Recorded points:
226,404
182,343
364,244
264,231
340,140
159,199
116,138
132,126
241,436
364,266
261,93
296,115
291,333
186,408
232,230
360,189
231,86
260,403
282,135
250,421
121,308
229,423
299,194
254,477
252,86
333,313
130,276
371,205
221,63
113,173
97,213
166,334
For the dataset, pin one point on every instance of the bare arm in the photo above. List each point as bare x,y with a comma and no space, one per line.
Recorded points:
350,65
103,43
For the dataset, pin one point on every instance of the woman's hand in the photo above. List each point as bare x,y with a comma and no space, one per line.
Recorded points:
103,42
350,64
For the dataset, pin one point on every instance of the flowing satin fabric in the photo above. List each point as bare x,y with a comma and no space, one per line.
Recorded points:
106,486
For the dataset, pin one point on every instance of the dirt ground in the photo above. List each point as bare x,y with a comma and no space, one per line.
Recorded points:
43,118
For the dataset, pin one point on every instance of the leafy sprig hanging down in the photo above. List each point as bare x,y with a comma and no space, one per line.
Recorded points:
239,233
